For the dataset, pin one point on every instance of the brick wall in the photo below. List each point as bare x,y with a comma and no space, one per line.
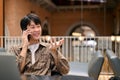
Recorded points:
60,21
1,17
16,9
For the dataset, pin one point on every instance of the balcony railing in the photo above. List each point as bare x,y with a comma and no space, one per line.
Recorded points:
74,48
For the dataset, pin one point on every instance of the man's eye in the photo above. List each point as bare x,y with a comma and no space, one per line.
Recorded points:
38,26
32,27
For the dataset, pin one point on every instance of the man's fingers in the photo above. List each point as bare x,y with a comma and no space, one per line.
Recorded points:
60,42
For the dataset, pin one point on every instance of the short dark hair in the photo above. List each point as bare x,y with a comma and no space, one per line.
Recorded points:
27,19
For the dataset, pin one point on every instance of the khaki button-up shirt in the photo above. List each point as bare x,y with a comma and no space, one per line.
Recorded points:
45,62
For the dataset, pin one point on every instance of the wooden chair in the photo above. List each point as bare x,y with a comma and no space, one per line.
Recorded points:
114,62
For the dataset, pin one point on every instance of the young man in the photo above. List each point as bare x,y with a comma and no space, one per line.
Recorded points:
34,57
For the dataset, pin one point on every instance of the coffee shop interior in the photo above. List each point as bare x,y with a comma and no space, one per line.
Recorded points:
88,27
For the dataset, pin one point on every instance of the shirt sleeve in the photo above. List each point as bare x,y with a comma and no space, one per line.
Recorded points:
16,51
61,63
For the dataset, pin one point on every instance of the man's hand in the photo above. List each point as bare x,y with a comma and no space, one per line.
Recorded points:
55,44
25,41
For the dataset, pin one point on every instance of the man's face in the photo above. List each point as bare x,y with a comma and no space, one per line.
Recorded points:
35,30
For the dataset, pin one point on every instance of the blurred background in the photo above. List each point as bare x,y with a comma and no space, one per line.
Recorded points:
63,17
86,25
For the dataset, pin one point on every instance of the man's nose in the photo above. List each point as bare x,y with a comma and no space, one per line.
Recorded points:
37,29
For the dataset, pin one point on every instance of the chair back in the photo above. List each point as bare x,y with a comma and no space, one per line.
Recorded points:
95,64
2,50
114,62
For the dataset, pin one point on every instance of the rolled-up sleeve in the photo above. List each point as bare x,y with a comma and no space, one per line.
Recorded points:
16,51
61,62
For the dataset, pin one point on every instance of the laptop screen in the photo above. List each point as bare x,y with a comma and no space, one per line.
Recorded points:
8,68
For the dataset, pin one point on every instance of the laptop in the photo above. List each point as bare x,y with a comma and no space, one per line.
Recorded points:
8,67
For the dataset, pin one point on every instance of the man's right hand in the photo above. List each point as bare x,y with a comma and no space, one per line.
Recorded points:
25,41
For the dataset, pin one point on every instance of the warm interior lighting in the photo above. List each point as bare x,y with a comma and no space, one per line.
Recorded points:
81,38
118,38
113,38
76,34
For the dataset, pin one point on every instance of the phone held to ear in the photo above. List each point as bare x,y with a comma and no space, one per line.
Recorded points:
28,35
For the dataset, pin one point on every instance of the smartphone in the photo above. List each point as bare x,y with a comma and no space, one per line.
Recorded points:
28,37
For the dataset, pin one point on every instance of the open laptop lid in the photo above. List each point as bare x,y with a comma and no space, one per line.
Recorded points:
8,68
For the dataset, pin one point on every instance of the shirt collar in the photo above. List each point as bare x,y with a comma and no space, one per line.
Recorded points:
41,44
